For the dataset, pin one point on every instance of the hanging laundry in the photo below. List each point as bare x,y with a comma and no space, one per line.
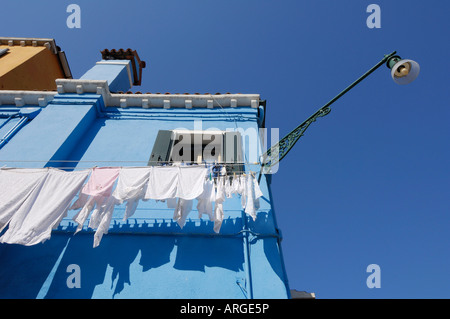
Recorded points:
257,191
242,184
175,182
44,208
16,185
235,185
104,220
94,194
184,207
218,206
228,187
252,195
131,187
162,183
242,190
33,201
190,182
190,185
206,199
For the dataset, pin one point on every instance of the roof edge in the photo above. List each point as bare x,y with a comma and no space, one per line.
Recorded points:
166,101
41,42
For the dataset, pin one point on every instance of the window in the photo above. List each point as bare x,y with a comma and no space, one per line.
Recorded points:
198,147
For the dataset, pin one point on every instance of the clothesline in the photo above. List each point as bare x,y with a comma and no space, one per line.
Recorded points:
234,171
166,163
34,201
122,161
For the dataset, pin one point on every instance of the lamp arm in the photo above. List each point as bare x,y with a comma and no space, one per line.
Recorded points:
278,151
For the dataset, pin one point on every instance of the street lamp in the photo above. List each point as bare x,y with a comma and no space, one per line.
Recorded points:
402,72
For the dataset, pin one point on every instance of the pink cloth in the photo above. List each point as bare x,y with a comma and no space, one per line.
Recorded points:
101,181
98,188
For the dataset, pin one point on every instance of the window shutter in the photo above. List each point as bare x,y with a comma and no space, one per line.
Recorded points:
161,148
232,148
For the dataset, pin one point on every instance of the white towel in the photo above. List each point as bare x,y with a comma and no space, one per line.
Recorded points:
131,187
15,187
44,207
162,183
190,182
175,182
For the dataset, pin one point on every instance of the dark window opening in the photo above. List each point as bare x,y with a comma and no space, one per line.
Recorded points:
197,147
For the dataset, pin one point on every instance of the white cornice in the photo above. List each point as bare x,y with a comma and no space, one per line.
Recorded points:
156,100
22,98
100,87
35,42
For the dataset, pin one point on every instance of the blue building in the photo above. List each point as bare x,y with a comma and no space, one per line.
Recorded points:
95,121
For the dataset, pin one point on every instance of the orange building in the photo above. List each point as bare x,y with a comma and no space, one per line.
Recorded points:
31,64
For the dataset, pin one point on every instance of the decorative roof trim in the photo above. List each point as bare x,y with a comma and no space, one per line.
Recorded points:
34,42
155,100
22,98
100,87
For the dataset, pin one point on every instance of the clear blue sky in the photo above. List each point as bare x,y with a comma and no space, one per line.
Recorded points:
367,184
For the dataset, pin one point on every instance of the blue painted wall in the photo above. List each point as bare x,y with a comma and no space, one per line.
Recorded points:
148,256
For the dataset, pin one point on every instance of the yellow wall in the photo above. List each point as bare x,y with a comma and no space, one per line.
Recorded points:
29,68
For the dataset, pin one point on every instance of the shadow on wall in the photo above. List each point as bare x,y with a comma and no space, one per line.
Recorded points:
117,252
153,261
139,265
264,224
75,151
24,270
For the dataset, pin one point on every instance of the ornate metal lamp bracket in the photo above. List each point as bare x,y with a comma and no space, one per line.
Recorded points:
278,151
